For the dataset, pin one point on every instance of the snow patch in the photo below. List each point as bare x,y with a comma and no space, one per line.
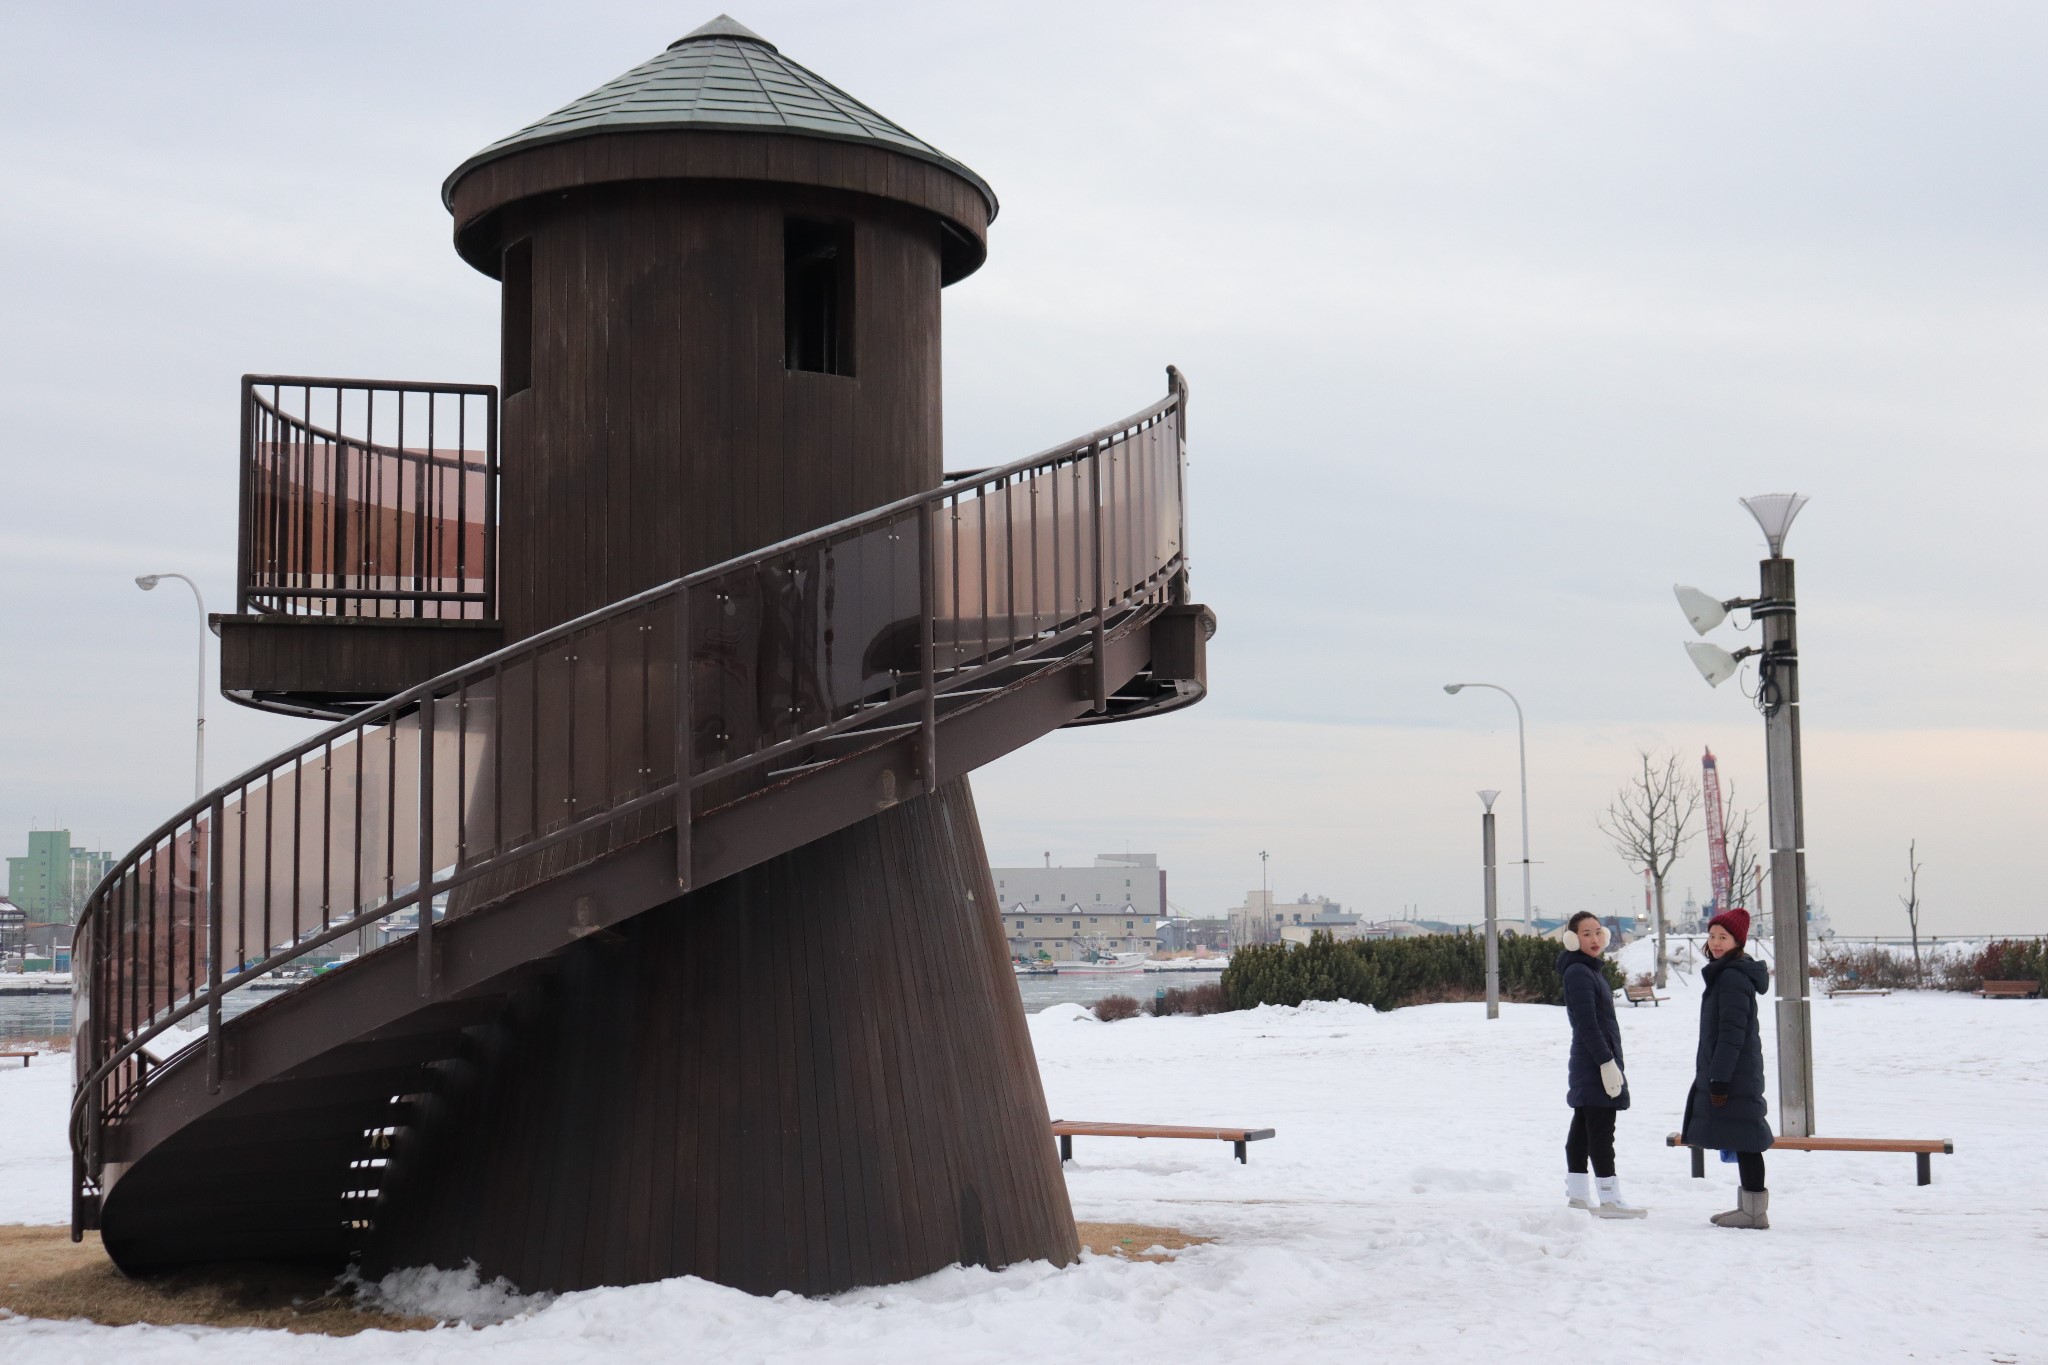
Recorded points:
447,1295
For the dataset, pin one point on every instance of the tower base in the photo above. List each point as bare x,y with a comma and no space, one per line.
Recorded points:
809,1076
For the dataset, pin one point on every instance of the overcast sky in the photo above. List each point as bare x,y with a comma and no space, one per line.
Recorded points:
1491,312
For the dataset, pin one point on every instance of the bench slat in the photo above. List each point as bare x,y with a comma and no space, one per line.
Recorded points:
1080,1128
1945,1146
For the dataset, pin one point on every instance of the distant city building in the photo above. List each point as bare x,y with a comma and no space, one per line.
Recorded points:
13,935
1335,923
1067,913
1115,879
1261,918
1180,935
52,880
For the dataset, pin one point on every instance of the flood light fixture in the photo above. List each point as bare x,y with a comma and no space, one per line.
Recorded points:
1716,664
1703,611
1488,798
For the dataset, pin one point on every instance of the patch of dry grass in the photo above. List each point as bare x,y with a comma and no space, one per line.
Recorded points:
44,1274
1134,1241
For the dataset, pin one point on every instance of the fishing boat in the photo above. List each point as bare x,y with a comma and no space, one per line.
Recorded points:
1095,962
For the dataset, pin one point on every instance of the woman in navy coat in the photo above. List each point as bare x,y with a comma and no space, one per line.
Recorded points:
1726,1108
1596,1089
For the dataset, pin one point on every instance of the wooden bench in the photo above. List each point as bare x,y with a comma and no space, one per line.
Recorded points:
1643,995
10,1056
1066,1130
2009,990
1856,990
1923,1150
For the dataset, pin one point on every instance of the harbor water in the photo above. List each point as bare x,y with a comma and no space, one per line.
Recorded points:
40,1017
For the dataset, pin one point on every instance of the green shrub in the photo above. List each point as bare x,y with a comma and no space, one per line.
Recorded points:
1388,973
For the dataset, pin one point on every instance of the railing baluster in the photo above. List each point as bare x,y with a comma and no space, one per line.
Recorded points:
681,704
1095,516
214,864
425,830
927,607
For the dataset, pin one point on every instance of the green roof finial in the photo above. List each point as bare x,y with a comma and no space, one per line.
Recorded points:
724,26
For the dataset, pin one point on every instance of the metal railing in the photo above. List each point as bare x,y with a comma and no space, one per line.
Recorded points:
739,676
364,497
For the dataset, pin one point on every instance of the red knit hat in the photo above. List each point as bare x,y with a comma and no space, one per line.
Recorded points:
1736,922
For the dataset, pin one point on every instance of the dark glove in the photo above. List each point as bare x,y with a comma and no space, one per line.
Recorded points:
1718,1092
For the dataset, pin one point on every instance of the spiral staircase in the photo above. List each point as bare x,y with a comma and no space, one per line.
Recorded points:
389,891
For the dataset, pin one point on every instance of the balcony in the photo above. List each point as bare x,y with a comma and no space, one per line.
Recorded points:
367,557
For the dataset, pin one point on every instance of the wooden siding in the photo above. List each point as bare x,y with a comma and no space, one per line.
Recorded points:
662,432
778,159
809,1076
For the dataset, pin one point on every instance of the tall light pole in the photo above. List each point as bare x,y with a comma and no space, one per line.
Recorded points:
1777,696
1486,799
147,582
1265,901
1522,751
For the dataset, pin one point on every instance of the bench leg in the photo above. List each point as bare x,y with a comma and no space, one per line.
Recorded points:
1699,1163
1066,1146
1240,1152
1925,1163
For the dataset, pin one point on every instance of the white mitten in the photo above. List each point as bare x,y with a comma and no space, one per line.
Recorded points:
1610,1078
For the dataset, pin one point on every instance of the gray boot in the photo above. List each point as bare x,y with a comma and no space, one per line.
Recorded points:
1750,1211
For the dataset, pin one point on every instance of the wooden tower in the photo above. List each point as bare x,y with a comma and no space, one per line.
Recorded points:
721,282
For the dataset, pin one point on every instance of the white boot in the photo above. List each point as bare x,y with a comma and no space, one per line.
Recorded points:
1578,1189
1612,1204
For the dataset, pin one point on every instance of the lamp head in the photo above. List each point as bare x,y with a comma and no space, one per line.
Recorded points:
1487,797
1454,688
1703,611
1774,513
1715,664
148,581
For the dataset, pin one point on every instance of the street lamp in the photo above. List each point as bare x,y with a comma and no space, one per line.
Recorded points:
147,582
1777,696
1265,902
1522,749
1486,799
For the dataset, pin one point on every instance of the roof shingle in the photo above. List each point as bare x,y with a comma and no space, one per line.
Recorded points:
721,76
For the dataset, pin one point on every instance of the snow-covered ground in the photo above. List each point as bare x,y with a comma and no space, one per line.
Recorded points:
1410,1208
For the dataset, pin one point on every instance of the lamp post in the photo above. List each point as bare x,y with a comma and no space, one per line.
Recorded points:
1486,799
147,582
1777,696
1265,902
1522,752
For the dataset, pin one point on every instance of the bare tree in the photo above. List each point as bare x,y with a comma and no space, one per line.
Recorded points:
1911,900
1650,822
1744,863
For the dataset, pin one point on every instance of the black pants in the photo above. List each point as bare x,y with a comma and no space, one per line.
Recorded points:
1592,1135
1751,1165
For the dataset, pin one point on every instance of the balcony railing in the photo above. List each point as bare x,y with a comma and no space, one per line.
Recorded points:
740,677
369,498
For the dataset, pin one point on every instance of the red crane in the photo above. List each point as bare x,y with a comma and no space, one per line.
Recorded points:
1717,834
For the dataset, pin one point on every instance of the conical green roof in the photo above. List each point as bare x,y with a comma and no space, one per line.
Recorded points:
725,77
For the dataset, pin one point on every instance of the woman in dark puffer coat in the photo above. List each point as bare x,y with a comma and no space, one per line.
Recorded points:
1726,1108
1596,1089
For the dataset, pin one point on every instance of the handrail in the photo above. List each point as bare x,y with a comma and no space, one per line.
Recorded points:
695,688
337,521
370,447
